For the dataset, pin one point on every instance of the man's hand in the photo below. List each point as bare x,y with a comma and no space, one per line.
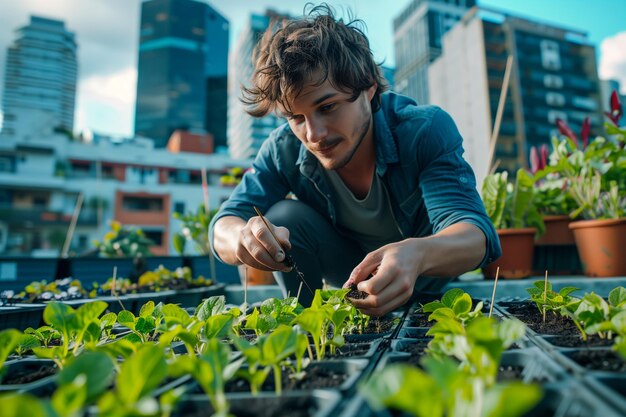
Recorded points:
395,267
393,270
251,243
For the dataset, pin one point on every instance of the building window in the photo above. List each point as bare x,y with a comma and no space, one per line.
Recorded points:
550,58
142,204
179,207
555,99
553,81
155,235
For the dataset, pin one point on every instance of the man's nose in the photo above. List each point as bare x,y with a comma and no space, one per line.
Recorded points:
315,130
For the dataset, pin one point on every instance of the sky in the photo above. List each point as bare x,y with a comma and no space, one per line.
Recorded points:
107,33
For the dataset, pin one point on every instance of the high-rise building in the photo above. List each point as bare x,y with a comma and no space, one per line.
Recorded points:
417,41
553,75
40,77
183,60
247,133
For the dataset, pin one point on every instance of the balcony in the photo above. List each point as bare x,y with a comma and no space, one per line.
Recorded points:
18,216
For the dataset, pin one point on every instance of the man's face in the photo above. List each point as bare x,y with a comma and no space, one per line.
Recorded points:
328,124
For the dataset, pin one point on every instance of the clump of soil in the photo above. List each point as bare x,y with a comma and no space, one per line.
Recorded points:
379,325
599,360
415,348
577,341
257,407
349,351
555,323
316,377
356,294
26,375
419,320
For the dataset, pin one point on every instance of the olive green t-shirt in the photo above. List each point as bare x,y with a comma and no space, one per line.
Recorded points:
369,221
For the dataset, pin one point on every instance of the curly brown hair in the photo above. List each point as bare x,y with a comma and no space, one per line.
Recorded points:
292,50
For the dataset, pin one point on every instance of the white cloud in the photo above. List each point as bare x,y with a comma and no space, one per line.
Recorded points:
106,103
613,59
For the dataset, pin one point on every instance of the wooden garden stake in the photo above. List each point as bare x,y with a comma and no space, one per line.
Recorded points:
114,288
70,230
299,289
493,295
545,293
245,290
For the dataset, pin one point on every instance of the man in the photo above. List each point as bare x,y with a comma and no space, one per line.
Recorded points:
382,193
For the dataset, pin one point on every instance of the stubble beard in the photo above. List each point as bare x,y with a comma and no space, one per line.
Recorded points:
365,127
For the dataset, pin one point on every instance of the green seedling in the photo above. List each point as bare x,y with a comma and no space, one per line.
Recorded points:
78,328
270,351
455,303
139,375
26,344
45,334
211,369
442,390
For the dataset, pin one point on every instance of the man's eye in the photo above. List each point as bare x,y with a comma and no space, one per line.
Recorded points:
295,117
327,107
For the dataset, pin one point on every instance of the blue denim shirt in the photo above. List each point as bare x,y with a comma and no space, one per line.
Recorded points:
418,157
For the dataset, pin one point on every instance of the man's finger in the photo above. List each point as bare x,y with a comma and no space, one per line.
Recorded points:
366,268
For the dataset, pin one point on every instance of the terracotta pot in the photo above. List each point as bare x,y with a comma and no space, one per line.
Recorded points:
602,246
255,276
517,254
557,231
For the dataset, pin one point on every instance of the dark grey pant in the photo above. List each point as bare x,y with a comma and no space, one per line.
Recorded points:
316,248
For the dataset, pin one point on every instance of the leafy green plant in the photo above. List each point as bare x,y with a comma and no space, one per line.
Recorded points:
478,346
554,301
194,227
45,334
443,390
595,173
455,303
269,352
123,241
211,369
26,344
596,314
162,277
142,326
139,375
325,319
511,205
77,328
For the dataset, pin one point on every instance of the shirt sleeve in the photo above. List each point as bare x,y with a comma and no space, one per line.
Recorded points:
261,186
448,184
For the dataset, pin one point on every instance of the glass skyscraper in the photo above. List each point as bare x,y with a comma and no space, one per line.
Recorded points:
183,60
247,133
40,76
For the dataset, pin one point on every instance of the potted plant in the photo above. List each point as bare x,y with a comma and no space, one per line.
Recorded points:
516,219
597,182
551,200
